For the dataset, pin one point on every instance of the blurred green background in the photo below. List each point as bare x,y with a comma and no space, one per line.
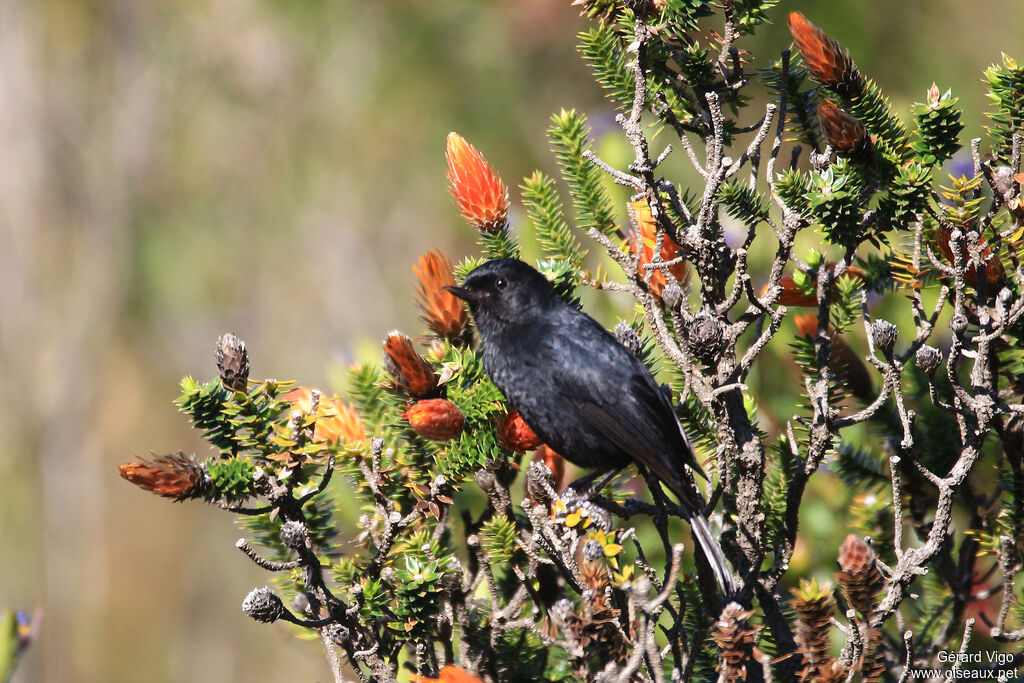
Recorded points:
174,170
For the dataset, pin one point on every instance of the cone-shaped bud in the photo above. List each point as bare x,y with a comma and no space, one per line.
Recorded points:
628,337
594,574
672,295
485,480
824,57
480,194
858,574
928,359
436,419
846,134
704,335
443,312
539,486
883,334
175,476
232,362
735,639
815,608
861,581
339,635
412,372
262,604
294,534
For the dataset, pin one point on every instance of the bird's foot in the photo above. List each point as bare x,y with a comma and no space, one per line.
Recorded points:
576,504
581,513
585,488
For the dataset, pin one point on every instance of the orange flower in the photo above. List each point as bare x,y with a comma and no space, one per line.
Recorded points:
847,135
553,461
825,58
994,272
644,240
792,295
335,420
843,360
436,419
479,193
515,435
443,312
412,372
449,674
806,324
171,476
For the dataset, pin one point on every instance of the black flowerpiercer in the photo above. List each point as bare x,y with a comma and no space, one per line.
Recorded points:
584,394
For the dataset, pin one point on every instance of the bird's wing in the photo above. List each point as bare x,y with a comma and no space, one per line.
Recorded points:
633,413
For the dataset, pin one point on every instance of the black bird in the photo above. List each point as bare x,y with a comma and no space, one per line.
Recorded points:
586,395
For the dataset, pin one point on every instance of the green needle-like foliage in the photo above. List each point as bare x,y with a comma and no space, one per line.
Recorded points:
499,539
232,479
802,100
743,203
776,486
544,210
1006,92
569,134
837,204
873,109
938,128
602,48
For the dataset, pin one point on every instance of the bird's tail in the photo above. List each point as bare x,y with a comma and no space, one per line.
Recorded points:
699,525
712,551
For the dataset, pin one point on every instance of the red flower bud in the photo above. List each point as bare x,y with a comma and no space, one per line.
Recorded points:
436,419
994,271
515,435
825,58
412,372
846,134
175,476
443,312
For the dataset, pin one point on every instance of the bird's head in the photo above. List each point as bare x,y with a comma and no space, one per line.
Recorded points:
506,292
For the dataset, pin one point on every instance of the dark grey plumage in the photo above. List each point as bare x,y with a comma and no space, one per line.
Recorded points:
585,394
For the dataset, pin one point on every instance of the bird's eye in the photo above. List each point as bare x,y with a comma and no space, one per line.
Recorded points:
500,283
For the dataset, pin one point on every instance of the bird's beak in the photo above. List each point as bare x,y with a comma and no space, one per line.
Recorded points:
464,293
